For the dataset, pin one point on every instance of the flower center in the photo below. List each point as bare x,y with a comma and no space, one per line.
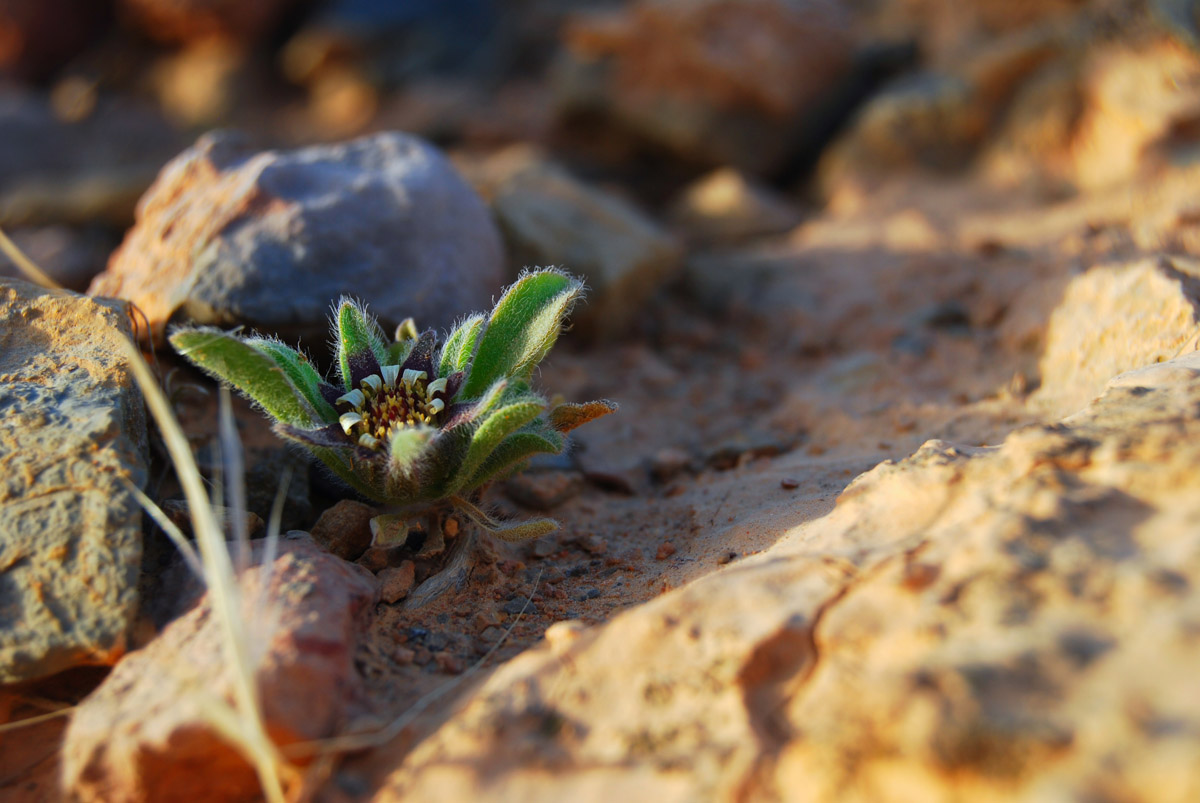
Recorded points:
389,402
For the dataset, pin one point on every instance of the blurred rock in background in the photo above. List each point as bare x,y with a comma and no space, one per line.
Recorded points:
231,235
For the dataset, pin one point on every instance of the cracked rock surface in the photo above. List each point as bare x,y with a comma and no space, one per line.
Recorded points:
71,428
1011,619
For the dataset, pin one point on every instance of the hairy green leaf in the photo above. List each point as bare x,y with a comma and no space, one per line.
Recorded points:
495,428
514,449
299,370
340,463
398,352
525,530
254,373
360,342
505,530
522,328
460,345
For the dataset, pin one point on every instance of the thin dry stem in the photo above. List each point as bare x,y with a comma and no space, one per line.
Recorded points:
25,264
222,584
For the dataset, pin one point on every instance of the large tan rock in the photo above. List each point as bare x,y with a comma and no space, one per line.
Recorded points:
1005,623
1101,115
1137,98
721,81
72,431
1113,318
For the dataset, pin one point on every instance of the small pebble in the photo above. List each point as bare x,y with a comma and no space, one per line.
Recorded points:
594,544
544,490
403,656
450,527
586,594
789,483
449,663
518,604
666,464
395,582
491,635
487,618
665,550
345,529
728,557
374,559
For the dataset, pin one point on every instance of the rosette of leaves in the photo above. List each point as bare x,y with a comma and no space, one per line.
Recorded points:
416,423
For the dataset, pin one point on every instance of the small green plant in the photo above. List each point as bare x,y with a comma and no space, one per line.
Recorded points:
414,423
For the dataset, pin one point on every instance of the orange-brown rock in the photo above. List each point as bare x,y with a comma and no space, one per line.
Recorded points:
142,735
175,21
723,81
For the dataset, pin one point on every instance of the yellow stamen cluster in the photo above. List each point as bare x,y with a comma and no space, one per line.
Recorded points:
386,403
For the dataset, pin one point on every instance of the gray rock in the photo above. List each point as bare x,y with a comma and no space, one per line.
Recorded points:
71,425
229,235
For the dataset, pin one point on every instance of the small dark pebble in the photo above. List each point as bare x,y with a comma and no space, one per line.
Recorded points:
949,315
449,663
789,483
586,594
491,634
915,344
352,784
375,559
593,544
544,490
613,481
516,605
345,529
666,464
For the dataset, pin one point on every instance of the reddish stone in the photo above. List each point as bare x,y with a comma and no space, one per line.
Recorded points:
142,735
